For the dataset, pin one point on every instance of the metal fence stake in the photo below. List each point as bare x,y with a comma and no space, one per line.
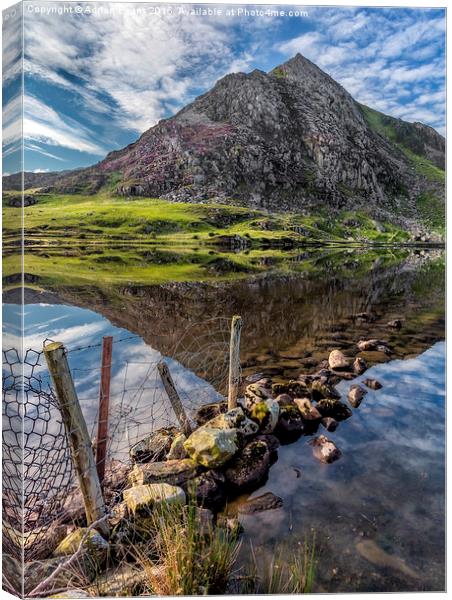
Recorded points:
77,433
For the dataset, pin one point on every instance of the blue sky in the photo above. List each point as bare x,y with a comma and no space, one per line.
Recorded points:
96,79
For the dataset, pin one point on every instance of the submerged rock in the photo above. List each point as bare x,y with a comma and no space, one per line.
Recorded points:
212,447
334,408
174,472
373,384
250,466
329,423
355,395
325,450
307,410
267,501
155,446
359,365
337,360
395,324
140,499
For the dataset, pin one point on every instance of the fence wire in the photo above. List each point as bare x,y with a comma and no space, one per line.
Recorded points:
39,481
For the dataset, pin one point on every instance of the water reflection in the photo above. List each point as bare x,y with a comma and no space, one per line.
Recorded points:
383,500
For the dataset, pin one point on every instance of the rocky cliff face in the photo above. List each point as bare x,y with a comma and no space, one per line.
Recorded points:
285,140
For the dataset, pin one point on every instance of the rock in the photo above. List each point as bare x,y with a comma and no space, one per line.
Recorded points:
203,517
355,395
333,408
321,389
284,399
265,413
329,423
362,316
231,524
234,419
359,366
395,324
255,393
155,446
75,593
267,501
307,410
290,419
271,441
126,580
249,467
293,388
254,378
337,360
365,345
140,499
325,450
212,447
76,575
177,450
373,384
94,544
174,472
209,411
207,490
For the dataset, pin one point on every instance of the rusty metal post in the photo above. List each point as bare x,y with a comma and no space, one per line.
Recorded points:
104,407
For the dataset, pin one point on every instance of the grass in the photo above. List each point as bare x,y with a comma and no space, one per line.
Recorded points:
432,210
182,558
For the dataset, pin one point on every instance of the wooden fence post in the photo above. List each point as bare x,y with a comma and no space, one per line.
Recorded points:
104,404
176,403
234,362
77,433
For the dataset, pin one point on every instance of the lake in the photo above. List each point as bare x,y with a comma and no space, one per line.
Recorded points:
378,512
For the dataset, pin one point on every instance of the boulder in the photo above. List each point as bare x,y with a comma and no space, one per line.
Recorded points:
307,410
329,423
75,593
141,499
337,360
267,501
123,581
265,413
155,446
207,489
256,392
359,365
355,395
284,399
234,419
271,441
296,389
322,389
250,467
177,449
334,408
93,544
290,419
373,384
373,344
209,411
76,575
212,447
174,472
325,450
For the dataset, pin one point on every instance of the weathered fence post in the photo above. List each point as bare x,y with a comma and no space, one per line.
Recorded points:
176,403
234,361
104,404
77,433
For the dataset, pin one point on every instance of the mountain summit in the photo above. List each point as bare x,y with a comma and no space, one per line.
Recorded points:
289,139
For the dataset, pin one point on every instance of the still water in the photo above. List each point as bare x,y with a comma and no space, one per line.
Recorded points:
378,512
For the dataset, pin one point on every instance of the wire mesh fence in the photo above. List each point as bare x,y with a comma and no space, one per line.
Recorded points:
40,487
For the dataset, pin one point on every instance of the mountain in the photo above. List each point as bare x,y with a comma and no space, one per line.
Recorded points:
290,139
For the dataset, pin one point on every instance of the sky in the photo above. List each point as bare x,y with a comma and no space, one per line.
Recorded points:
99,76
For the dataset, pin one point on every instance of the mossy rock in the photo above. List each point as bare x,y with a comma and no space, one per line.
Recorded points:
174,472
249,467
212,447
266,414
141,499
94,544
329,407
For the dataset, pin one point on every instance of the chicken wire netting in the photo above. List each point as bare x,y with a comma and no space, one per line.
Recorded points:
40,487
